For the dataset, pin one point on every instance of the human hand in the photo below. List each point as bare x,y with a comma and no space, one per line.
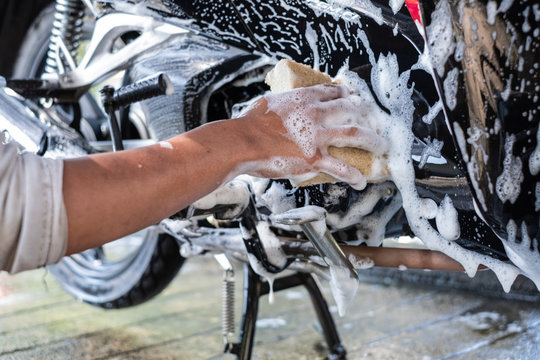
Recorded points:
292,131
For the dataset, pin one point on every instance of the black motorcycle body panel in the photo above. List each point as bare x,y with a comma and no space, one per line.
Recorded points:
329,36
497,104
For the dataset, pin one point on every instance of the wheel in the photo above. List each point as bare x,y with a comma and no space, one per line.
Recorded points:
130,270
109,278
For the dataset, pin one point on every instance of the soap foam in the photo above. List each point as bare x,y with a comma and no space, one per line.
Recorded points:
523,253
293,109
440,35
361,263
447,220
432,148
392,91
534,160
450,86
311,37
271,244
343,287
166,145
537,197
433,112
508,185
396,5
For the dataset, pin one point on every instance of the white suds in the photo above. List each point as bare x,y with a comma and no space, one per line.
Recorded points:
536,11
474,27
300,126
392,90
492,10
401,140
311,37
440,36
459,54
450,86
430,208
537,197
166,145
297,110
508,185
433,112
231,193
432,148
505,94
275,198
361,263
534,160
395,30
396,5
259,269
271,244
364,6
270,290
526,27
447,220
523,253
343,287
497,126
462,143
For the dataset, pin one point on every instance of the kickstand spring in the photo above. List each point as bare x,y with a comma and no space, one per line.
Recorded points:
255,287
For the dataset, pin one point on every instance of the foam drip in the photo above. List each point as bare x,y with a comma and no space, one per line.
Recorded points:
441,36
433,148
523,253
534,160
508,185
447,220
391,89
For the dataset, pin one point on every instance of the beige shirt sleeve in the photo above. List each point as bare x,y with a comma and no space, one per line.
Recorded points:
33,220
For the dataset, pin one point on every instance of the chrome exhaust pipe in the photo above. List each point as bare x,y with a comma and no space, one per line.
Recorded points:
37,130
20,124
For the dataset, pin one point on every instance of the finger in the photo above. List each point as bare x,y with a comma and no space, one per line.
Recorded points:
358,137
338,111
345,104
349,110
342,171
324,92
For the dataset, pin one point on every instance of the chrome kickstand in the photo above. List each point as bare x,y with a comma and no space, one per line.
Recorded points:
255,287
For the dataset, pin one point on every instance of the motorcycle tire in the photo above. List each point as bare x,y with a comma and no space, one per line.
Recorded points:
142,271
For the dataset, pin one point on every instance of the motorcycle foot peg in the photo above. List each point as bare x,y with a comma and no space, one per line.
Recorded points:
312,221
142,90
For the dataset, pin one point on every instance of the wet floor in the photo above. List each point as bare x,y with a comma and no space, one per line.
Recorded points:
39,321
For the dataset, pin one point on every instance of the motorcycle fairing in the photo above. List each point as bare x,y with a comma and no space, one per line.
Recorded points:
492,107
349,36
356,36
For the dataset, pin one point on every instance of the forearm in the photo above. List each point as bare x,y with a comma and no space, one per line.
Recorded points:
111,195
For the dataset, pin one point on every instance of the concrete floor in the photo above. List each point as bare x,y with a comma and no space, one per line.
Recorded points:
39,321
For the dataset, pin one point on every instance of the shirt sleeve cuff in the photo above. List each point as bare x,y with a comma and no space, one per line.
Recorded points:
43,235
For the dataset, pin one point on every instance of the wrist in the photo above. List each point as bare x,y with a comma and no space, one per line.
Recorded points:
232,143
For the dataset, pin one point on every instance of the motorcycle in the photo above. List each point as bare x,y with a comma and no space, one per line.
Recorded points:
458,81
